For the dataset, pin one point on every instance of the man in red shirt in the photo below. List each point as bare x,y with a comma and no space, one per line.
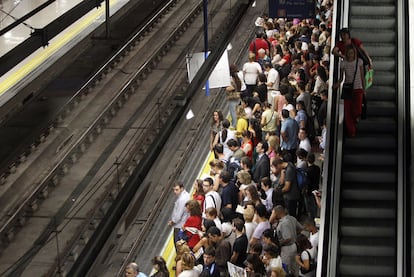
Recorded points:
346,39
257,43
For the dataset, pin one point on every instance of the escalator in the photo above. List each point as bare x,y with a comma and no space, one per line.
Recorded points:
368,205
365,185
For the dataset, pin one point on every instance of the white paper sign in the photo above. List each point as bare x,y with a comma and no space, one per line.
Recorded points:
219,77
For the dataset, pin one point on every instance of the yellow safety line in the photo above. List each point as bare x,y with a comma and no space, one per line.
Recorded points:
58,42
168,251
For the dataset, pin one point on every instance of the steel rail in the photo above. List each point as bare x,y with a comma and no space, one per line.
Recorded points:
225,38
79,146
88,86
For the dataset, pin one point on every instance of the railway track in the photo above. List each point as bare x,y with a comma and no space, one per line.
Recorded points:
83,140
102,135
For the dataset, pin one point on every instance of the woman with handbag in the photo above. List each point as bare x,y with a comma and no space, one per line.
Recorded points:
306,256
353,88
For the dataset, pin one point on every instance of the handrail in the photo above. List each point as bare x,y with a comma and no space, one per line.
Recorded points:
327,256
403,248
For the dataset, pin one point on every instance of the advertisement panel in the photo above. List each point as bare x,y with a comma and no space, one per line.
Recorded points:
292,9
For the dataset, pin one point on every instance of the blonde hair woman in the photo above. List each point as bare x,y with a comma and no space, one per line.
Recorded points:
188,263
242,122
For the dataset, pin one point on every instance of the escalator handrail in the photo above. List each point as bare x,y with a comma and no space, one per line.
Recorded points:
403,232
328,233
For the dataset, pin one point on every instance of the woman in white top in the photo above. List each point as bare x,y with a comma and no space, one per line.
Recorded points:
306,257
223,136
251,71
352,66
188,264
321,81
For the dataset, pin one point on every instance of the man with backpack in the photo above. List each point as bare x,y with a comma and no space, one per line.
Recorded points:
290,189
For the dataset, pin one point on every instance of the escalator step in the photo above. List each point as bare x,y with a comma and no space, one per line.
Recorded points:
384,36
380,175
359,9
368,209
381,93
381,108
366,227
376,2
373,191
365,246
374,141
382,22
364,266
370,158
377,125
384,78
382,58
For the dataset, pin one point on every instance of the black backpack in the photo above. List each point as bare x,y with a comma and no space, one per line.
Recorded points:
302,179
284,70
233,166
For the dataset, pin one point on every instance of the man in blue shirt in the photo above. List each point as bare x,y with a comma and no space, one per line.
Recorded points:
132,270
179,214
210,268
289,134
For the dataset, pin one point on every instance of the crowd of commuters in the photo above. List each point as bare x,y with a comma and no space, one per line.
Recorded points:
256,210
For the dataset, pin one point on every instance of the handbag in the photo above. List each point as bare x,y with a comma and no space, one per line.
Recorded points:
233,95
369,75
348,88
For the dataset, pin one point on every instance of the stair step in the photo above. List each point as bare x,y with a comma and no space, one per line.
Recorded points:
368,191
368,209
384,36
380,63
381,22
381,108
363,246
367,266
366,227
380,93
369,175
371,2
377,125
374,141
369,158
384,78
371,10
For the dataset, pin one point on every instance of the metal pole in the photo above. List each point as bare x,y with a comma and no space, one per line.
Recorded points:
118,183
107,19
59,268
206,39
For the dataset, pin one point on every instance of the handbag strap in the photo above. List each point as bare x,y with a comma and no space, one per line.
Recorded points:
271,117
356,60
356,69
